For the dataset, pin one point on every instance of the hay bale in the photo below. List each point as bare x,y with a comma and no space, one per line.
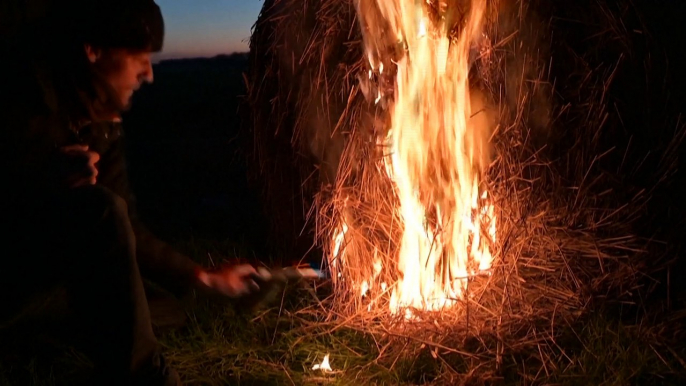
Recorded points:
297,90
568,220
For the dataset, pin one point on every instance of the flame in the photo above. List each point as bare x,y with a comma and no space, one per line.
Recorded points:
324,366
439,151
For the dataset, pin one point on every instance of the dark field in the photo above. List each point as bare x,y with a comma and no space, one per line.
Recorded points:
186,159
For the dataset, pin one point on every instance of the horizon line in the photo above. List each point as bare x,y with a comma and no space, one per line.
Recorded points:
173,56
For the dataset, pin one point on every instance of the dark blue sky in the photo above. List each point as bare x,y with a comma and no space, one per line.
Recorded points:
207,27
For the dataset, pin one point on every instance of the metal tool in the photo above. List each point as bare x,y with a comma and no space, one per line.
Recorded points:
273,281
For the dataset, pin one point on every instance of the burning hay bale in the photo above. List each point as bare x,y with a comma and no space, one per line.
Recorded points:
425,148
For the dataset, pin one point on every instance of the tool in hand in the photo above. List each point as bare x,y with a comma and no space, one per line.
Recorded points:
273,281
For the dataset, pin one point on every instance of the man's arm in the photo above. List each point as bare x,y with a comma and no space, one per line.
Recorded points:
157,260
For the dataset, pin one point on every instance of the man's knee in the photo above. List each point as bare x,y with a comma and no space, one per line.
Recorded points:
101,227
96,203
90,214
71,234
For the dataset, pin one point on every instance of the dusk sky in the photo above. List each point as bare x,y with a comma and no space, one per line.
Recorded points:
207,27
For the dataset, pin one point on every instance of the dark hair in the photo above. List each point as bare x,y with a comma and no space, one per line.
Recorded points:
131,24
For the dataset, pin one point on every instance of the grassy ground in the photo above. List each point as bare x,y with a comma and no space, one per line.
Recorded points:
225,344
615,345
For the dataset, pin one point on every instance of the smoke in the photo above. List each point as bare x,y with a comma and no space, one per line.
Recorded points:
513,65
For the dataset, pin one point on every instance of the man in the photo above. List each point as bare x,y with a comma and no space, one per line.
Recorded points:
66,200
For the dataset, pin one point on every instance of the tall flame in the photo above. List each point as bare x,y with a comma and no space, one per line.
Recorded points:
438,151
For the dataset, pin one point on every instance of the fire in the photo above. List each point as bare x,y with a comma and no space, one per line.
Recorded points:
438,150
324,366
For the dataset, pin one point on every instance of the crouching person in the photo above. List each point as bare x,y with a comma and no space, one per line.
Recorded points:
69,215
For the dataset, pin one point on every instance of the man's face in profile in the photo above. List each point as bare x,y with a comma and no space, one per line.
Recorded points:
124,71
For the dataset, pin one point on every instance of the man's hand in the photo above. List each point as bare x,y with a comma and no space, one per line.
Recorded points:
77,165
232,281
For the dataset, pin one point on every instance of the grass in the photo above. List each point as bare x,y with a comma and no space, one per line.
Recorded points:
225,344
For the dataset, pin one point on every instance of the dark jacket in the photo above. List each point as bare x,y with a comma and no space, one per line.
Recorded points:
41,112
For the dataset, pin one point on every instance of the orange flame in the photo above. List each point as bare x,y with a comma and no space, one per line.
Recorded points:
438,151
